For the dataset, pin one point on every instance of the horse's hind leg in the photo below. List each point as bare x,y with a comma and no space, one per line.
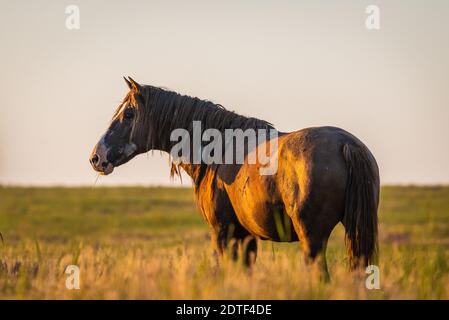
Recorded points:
315,255
314,229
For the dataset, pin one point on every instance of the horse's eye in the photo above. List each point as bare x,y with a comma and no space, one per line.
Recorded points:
128,115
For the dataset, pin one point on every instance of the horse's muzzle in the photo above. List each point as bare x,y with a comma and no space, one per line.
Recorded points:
99,161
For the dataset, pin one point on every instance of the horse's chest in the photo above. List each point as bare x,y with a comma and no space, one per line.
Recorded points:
207,207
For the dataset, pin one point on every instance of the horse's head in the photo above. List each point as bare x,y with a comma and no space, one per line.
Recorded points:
120,143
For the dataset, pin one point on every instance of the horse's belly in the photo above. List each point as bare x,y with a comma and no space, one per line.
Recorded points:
255,201
268,223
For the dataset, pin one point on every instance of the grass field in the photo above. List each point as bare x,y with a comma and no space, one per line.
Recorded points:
151,243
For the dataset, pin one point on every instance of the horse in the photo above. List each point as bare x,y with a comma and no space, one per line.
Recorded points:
324,176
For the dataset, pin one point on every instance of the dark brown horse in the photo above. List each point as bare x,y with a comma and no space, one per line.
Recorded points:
324,176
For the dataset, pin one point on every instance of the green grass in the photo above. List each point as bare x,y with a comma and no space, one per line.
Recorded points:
137,242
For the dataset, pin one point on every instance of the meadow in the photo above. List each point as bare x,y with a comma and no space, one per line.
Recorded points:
151,243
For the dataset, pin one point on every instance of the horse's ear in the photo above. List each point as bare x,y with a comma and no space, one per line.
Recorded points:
134,85
130,85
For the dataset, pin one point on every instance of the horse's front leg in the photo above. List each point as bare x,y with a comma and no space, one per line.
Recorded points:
236,241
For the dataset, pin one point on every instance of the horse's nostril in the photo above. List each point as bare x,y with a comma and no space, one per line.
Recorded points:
94,159
104,164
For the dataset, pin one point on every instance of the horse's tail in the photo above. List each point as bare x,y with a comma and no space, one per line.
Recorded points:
362,198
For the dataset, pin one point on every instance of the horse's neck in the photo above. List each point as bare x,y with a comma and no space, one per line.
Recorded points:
193,170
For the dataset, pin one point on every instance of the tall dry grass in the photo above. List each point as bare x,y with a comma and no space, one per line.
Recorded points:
146,271
140,243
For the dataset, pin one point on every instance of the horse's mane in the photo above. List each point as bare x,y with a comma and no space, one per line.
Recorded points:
161,111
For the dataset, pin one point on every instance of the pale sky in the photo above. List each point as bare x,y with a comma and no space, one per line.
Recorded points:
294,63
